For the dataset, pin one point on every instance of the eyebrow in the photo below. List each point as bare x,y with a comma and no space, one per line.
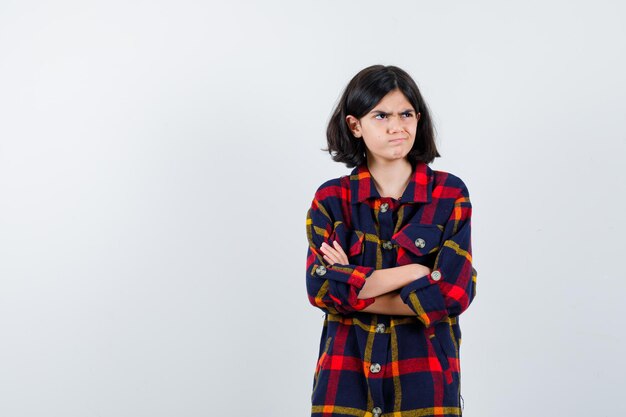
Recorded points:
384,112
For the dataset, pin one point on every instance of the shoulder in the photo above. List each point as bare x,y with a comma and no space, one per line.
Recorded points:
453,184
332,197
331,189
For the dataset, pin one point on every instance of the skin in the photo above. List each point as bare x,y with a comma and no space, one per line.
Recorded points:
392,118
388,131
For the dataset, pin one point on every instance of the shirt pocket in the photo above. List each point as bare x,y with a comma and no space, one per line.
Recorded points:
440,353
418,243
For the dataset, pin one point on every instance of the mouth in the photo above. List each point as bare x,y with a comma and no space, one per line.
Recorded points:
397,140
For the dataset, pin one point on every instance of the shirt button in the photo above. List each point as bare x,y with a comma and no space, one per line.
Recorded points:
436,275
377,411
420,243
380,328
387,245
375,368
320,270
384,207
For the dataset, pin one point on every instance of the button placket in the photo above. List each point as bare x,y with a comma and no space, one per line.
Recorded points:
379,351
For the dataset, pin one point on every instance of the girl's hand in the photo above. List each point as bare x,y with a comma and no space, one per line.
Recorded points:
334,254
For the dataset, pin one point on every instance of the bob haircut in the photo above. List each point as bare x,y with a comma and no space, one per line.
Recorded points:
361,95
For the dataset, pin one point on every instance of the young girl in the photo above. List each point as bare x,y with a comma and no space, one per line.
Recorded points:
389,259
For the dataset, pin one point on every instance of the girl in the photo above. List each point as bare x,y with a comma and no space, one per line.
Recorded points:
389,258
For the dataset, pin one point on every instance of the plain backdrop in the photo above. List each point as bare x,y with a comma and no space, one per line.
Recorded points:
157,159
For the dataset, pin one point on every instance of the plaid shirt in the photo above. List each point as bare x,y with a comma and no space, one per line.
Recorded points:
376,364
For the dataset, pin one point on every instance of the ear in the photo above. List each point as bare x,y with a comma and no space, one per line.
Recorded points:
354,126
418,116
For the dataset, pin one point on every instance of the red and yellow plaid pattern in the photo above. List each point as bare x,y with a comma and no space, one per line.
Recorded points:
381,365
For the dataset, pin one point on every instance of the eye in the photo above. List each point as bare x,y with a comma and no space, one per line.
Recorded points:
408,114
380,114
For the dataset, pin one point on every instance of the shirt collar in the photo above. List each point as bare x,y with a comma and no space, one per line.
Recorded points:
418,190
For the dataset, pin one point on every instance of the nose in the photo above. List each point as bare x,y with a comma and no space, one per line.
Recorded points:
394,125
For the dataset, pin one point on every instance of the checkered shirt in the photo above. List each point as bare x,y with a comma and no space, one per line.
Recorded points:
376,365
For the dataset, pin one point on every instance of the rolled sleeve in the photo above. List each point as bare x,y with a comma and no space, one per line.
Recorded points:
333,288
450,287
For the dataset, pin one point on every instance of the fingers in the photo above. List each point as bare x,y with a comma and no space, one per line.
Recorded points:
339,248
331,255
334,254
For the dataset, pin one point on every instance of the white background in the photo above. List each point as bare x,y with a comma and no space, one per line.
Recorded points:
157,159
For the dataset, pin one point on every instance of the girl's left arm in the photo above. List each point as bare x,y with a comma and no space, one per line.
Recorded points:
450,287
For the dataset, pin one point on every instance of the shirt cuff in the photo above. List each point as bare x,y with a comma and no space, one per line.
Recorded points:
424,297
344,284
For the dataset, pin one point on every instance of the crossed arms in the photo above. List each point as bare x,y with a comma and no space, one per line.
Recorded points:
382,284
336,286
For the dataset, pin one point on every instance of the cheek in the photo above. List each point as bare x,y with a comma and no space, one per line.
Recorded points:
374,140
412,131
368,143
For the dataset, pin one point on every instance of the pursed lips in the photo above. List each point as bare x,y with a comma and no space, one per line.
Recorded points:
397,140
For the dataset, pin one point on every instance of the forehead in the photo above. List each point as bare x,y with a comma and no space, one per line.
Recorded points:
394,99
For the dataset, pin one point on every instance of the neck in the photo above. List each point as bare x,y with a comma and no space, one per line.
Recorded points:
391,177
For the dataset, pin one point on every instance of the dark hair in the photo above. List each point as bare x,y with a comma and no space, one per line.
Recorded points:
362,93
